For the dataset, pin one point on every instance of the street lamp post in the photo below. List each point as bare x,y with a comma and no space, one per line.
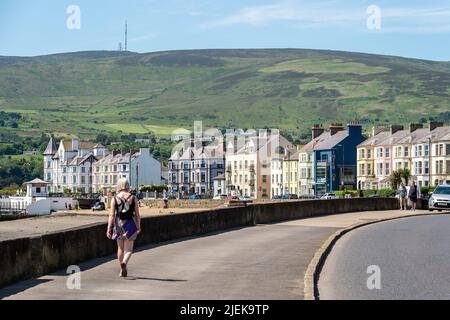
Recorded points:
343,165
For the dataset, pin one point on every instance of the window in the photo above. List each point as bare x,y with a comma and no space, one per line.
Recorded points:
369,154
426,167
388,169
418,167
369,169
362,170
406,151
426,150
440,166
264,178
380,169
380,153
387,152
362,154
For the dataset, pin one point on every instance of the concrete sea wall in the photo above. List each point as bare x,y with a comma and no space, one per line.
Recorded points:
36,256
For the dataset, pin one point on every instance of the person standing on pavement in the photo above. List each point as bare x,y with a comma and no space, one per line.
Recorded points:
412,195
402,194
124,223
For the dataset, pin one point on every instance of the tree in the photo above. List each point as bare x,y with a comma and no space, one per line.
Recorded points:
405,174
395,179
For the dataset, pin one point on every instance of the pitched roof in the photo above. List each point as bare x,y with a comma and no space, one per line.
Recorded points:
37,180
327,141
394,138
438,134
374,140
51,148
414,136
86,145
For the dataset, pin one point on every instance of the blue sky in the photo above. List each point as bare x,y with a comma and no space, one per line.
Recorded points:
419,29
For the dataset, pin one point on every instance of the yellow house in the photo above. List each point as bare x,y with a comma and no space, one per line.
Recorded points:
291,182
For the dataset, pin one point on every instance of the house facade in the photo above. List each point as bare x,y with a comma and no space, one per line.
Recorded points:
291,181
69,166
252,161
88,167
193,167
335,158
140,169
424,151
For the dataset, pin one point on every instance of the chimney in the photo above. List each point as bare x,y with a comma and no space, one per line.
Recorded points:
414,126
435,124
354,128
75,144
335,128
395,128
116,152
376,130
317,130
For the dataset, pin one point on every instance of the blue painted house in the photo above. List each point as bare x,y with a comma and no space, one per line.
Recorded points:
335,158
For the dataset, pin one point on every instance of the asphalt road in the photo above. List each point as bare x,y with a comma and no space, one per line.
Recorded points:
261,262
413,256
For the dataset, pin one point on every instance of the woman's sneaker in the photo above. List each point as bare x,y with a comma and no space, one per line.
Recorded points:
123,271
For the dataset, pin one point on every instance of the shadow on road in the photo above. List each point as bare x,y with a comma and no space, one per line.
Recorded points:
154,279
21,286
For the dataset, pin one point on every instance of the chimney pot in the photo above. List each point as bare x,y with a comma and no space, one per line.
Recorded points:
317,130
335,128
435,124
395,128
414,126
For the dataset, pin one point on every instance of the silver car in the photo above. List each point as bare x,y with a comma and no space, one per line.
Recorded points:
440,198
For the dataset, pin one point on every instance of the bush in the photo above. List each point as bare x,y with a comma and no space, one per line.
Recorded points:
427,189
387,193
341,193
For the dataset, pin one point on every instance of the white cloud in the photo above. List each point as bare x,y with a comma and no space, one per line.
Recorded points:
323,14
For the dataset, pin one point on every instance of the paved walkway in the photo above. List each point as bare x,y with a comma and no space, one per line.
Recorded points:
262,262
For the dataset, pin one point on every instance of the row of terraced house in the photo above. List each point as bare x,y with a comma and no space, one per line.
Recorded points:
264,166
87,167
424,151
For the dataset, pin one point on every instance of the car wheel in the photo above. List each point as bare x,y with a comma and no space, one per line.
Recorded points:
439,210
431,210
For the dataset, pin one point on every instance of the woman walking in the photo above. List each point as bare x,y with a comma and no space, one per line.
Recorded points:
412,195
124,223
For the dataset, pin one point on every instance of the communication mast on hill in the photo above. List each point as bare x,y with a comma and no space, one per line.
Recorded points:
126,35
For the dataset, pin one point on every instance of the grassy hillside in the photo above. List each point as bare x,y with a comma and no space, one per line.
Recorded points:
91,92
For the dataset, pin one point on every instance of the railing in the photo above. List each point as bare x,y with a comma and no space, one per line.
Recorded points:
7,206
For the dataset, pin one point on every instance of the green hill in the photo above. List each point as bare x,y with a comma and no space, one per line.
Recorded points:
86,93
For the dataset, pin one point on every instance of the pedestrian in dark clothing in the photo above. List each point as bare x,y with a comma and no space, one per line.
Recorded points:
412,195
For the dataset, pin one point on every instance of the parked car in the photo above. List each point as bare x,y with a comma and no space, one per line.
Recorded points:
290,196
244,198
329,196
232,197
194,197
98,206
276,197
440,198
220,197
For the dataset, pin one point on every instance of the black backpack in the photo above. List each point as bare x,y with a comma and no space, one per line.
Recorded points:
125,210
